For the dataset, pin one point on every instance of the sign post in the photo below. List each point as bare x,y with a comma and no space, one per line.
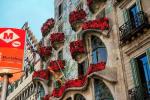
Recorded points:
11,55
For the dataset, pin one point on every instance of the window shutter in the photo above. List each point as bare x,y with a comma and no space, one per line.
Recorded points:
125,15
148,55
136,79
135,72
148,58
138,3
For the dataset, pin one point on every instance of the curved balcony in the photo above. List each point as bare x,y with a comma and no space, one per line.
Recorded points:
77,49
76,18
45,52
99,24
41,75
132,27
56,65
57,40
47,26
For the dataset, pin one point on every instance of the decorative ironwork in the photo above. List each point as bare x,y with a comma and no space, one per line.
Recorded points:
133,26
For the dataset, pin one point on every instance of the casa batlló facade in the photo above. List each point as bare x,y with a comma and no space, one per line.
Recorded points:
95,50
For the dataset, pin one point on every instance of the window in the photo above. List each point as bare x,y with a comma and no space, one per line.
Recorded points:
101,91
141,75
60,28
133,11
82,68
79,97
101,14
80,6
99,52
41,91
60,55
60,9
69,98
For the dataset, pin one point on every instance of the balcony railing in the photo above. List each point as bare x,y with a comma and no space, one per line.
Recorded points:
133,26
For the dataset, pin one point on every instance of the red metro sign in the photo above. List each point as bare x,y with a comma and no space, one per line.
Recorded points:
11,50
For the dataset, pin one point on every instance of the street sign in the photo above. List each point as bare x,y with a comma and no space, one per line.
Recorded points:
11,51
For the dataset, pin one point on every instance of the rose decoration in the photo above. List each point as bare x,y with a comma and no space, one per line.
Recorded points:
76,18
58,92
45,51
56,65
77,15
42,74
76,47
57,38
47,26
101,24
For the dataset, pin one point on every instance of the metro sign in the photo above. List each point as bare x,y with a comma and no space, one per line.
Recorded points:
8,36
12,43
12,38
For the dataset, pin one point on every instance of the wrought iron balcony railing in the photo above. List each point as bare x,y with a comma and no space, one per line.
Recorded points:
133,26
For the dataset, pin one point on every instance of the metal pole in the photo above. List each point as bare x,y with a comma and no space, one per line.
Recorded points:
4,87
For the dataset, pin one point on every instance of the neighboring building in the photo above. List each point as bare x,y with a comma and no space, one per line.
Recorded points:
134,23
24,88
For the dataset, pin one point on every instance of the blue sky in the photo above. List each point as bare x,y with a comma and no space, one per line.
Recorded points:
14,13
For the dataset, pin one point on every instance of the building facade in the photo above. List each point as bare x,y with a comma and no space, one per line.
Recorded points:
92,50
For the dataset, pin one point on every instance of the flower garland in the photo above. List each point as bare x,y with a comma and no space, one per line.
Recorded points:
45,51
47,26
101,24
43,74
76,47
56,65
78,82
77,15
57,37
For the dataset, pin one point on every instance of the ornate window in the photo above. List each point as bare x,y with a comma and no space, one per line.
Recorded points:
141,76
99,52
60,55
101,91
79,97
40,91
69,98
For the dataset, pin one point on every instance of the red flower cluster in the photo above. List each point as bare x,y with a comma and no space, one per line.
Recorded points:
95,67
43,74
57,37
45,51
46,97
76,47
77,15
78,82
68,84
47,26
56,65
101,24
89,2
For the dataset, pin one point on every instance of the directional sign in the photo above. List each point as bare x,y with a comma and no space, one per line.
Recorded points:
11,50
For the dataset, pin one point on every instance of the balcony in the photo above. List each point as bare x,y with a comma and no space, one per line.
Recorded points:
133,27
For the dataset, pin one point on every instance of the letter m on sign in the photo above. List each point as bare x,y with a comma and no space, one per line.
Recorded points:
8,36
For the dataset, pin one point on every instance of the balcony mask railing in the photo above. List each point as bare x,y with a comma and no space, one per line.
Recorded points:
133,26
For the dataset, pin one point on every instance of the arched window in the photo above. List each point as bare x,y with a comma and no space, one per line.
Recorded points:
69,98
79,97
102,92
99,52
41,91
